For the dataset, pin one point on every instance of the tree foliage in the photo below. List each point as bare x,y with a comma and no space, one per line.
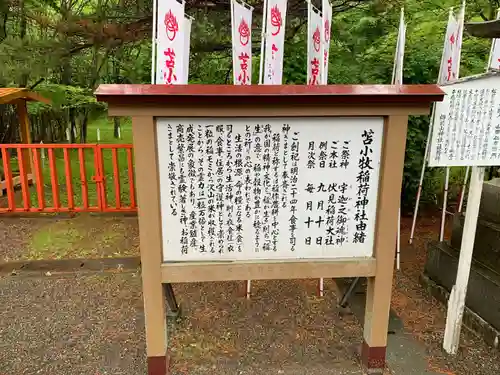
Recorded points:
67,47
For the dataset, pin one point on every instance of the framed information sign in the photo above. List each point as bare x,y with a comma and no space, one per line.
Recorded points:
268,182
467,123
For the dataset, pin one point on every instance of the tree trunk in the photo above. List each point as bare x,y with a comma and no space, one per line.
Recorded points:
116,121
22,31
116,77
83,127
4,16
72,128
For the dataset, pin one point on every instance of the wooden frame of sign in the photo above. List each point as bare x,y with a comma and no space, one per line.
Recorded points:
176,128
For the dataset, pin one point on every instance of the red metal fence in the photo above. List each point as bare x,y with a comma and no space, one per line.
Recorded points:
67,178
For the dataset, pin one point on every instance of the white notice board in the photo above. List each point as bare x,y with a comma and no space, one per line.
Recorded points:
280,188
466,130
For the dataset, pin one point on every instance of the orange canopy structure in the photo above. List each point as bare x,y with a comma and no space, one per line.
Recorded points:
9,95
19,97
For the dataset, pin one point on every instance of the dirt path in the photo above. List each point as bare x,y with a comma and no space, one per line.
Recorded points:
93,324
284,326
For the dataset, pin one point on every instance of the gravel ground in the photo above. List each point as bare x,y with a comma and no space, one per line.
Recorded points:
282,326
77,324
15,236
93,324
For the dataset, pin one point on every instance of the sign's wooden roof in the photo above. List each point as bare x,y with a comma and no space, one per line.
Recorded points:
138,95
11,94
488,29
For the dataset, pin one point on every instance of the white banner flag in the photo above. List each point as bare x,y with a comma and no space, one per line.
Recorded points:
397,73
457,51
241,24
275,41
188,21
450,62
170,42
327,31
314,41
494,62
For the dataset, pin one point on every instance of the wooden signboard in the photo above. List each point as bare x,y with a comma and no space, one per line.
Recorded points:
268,182
467,130
467,134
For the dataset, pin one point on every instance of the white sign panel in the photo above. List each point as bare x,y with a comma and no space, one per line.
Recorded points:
289,188
467,124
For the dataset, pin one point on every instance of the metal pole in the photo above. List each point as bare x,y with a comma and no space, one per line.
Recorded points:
263,43
422,173
397,79
429,134
170,299
232,39
153,45
345,297
261,81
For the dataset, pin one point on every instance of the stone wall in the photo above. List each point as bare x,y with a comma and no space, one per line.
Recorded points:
483,292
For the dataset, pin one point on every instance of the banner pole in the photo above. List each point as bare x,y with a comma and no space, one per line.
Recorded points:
153,44
233,36
459,40
429,134
263,43
422,173
397,79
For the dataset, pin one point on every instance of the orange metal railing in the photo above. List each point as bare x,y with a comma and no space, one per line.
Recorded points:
67,178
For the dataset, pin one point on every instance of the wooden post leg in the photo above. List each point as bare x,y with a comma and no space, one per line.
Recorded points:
376,326
379,288
148,197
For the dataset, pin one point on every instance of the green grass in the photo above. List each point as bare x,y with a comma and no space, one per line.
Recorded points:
57,240
105,127
82,237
